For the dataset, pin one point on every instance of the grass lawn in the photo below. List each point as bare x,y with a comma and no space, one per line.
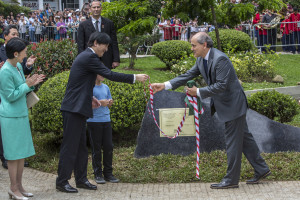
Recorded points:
175,168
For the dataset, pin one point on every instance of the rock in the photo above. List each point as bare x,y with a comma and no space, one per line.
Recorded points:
278,79
270,136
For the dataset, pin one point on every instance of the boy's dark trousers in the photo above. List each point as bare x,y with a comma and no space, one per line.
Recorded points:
100,134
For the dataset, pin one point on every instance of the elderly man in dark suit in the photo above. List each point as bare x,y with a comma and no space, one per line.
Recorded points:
77,107
229,101
10,32
111,58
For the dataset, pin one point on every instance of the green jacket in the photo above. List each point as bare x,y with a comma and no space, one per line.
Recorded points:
13,90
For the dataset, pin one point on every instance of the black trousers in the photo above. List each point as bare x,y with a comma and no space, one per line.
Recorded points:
100,134
239,140
73,151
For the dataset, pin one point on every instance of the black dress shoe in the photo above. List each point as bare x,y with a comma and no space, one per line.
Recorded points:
257,178
86,185
100,180
4,164
223,185
111,179
26,164
66,188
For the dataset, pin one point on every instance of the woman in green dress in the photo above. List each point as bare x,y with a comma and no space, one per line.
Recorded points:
15,129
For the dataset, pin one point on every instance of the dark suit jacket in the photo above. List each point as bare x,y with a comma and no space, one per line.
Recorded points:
86,28
3,57
79,91
227,95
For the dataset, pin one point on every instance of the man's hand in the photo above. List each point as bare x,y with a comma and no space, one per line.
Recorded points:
95,103
30,60
157,87
141,77
104,102
115,65
192,91
1,64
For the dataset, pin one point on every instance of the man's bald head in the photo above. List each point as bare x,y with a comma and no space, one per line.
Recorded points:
203,37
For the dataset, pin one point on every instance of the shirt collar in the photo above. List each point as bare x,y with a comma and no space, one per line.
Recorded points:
94,20
92,50
207,55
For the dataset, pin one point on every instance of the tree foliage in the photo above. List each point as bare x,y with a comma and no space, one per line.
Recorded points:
226,12
6,8
133,19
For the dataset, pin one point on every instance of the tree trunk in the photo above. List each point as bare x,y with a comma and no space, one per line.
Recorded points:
216,26
132,57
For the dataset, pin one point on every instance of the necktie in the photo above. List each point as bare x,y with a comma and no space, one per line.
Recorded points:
97,26
205,67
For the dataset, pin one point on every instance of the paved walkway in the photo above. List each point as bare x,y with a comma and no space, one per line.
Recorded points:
43,187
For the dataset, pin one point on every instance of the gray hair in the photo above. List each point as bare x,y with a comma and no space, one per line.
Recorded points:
202,38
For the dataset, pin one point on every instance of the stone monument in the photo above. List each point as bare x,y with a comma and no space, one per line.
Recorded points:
270,136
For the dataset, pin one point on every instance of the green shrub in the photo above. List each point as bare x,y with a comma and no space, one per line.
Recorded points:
232,39
274,105
1,40
170,52
46,113
186,63
126,113
53,57
254,67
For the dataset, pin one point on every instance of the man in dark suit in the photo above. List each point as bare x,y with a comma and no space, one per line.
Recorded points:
10,32
111,58
229,101
77,107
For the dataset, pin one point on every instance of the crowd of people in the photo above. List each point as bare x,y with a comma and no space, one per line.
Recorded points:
42,24
267,33
175,29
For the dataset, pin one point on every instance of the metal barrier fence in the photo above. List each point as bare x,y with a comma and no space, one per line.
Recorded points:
173,32
285,35
38,33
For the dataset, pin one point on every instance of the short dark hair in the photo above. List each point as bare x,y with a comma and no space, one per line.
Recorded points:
202,38
7,29
100,38
15,45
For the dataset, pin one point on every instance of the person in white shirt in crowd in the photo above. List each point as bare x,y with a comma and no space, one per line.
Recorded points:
162,23
22,27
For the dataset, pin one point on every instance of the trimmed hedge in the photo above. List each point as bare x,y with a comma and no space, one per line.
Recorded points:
53,57
46,113
274,105
232,40
126,112
253,66
170,52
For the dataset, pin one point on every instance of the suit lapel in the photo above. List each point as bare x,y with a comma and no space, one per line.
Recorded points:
91,26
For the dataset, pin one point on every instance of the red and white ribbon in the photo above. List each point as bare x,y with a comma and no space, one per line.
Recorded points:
193,101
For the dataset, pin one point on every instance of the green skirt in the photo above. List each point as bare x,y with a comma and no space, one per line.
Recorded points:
16,138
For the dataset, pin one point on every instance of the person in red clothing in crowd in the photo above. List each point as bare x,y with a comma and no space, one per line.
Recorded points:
168,34
262,35
295,17
176,30
256,20
286,29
